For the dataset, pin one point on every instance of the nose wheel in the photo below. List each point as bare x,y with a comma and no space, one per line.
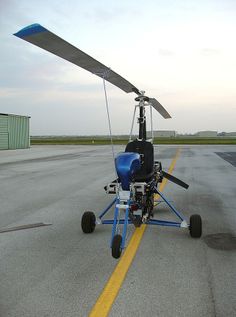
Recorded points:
116,246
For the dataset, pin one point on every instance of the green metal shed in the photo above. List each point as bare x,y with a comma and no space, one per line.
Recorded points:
14,132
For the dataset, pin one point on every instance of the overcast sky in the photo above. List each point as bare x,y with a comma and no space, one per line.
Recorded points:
183,53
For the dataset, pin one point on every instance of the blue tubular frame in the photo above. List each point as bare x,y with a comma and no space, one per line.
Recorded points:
178,214
107,209
163,223
115,221
125,221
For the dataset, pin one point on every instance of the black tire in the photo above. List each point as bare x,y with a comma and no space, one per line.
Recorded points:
116,246
195,226
88,222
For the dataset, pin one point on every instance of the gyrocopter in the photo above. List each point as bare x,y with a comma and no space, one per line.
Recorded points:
138,174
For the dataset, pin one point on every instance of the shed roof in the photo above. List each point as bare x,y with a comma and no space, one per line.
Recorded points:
13,115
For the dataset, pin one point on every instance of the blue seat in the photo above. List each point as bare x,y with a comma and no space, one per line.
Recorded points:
127,165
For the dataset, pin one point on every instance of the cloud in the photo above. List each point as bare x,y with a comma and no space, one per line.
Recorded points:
210,51
165,52
110,13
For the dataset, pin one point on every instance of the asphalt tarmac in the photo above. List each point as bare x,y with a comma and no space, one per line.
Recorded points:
56,270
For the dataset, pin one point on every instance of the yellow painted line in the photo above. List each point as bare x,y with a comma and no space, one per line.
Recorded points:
111,289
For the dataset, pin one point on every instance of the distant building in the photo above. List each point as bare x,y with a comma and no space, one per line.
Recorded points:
164,134
207,134
231,134
227,134
14,132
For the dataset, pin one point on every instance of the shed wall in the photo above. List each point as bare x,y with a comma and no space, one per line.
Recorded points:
14,132
18,128
3,132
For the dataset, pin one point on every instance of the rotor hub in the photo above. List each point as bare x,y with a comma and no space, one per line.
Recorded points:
142,98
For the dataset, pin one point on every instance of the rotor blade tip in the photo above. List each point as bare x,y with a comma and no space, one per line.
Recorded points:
30,30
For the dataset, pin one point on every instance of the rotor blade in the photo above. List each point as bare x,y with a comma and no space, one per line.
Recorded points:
39,36
175,180
159,108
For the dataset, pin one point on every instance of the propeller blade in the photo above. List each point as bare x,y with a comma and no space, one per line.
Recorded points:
175,180
156,105
40,36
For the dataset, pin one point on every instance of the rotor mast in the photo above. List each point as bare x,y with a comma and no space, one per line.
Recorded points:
142,118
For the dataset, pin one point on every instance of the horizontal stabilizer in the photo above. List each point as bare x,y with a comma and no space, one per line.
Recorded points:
39,36
156,105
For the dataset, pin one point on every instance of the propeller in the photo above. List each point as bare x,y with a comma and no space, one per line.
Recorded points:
175,180
43,38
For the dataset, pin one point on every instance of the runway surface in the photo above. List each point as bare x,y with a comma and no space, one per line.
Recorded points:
56,270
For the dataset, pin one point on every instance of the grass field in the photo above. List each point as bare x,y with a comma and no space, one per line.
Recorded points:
103,141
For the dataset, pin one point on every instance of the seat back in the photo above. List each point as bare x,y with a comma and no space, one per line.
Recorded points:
145,149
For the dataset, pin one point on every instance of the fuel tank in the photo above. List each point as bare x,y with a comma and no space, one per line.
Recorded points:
127,164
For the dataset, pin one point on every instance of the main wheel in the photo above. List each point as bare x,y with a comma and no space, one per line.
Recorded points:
88,222
195,226
116,246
